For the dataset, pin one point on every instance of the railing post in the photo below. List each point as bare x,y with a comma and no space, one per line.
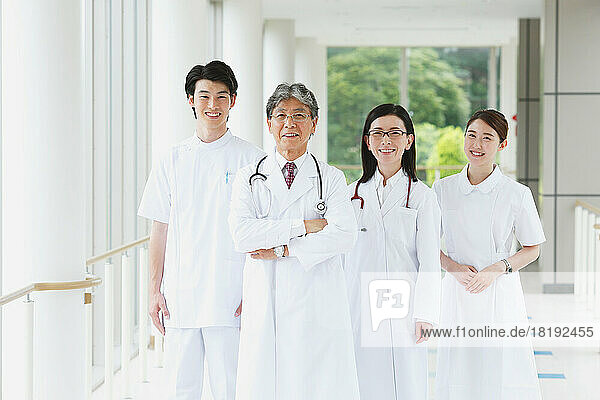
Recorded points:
87,301
28,359
126,318
143,315
584,254
577,255
437,175
597,270
591,239
109,342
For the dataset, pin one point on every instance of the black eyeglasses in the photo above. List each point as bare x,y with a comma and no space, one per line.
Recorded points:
392,134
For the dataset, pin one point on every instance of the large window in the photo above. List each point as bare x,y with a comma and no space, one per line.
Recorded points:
444,86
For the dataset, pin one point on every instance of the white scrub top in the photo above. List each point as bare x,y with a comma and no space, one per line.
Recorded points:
478,224
394,242
190,190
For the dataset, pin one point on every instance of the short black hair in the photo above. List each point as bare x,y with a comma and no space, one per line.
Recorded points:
216,71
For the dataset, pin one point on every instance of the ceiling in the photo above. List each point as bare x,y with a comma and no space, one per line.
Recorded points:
441,23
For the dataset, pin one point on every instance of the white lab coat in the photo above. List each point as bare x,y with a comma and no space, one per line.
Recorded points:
190,190
296,337
394,242
478,224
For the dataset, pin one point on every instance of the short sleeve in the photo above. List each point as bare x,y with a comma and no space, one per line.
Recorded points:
528,227
156,200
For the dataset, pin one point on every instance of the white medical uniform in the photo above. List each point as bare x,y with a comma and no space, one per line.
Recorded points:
296,336
402,242
478,224
190,190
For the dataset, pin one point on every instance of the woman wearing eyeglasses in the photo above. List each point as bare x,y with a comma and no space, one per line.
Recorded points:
482,211
393,272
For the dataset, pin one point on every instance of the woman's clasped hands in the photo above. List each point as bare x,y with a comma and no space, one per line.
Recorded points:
477,281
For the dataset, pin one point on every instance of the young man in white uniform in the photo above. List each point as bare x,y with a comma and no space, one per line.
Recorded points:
296,335
196,276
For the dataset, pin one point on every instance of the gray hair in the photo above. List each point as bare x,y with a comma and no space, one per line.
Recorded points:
285,91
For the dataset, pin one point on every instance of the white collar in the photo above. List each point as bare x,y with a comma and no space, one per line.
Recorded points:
398,178
222,141
282,161
486,186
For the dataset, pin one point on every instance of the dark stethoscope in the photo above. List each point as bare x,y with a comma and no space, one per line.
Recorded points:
320,207
362,201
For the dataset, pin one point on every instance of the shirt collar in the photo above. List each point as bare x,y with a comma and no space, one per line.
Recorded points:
486,186
396,179
222,141
282,161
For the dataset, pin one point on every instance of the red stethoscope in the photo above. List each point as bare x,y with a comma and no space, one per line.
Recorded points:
362,201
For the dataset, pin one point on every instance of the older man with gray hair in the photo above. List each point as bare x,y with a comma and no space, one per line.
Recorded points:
292,216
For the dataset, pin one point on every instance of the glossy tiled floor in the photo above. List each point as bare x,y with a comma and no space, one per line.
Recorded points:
565,372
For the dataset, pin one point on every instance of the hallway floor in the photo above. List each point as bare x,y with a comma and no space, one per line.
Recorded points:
565,372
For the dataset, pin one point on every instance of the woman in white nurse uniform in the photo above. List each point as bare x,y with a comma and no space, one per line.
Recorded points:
399,223
481,211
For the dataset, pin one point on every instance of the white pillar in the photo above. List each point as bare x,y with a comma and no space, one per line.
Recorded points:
179,32
404,65
279,47
508,104
44,184
570,105
492,91
242,51
311,69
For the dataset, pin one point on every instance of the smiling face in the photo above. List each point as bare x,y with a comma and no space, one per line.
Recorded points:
291,135
482,143
388,150
212,102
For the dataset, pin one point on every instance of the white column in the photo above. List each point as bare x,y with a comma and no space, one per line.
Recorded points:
492,91
570,105
311,69
242,50
404,64
44,184
508,104
1,191
279,47
179,31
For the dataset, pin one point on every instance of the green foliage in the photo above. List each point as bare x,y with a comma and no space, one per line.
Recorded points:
470,65
435,93
352,175
445,85
427,136
448,151
357,81
361,78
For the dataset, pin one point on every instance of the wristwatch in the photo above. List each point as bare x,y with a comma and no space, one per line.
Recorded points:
279,251
508,269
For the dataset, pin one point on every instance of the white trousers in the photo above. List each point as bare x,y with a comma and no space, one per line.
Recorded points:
185,351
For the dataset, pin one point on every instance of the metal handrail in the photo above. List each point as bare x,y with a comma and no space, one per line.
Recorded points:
419,167
587,206
110,253
45,286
